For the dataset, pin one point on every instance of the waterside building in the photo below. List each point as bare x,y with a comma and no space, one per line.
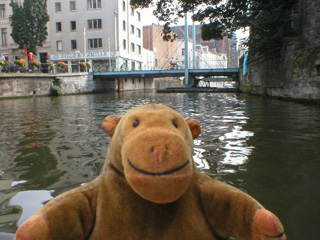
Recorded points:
106,33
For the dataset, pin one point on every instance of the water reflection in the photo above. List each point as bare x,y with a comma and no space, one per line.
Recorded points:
39,198
237,151
198,156
267,148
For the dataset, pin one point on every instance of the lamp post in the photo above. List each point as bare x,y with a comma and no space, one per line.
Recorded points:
85,47
78,53
109,55
116,30
116,42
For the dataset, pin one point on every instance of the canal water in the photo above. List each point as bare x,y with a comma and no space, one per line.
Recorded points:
268,148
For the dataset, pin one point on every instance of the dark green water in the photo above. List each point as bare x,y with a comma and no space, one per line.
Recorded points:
268,148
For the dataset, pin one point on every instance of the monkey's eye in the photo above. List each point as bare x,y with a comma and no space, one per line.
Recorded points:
136,123
175,123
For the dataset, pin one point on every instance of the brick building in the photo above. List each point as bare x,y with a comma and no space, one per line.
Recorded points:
164,51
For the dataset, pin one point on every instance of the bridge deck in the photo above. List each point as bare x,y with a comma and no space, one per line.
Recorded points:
232,72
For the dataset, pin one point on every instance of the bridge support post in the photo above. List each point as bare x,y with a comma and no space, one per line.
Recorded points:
186,52
194,45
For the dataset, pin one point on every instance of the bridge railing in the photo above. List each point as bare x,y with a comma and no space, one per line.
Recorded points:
111,66
106,67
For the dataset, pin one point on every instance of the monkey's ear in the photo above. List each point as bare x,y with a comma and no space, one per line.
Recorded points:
110,123
194,126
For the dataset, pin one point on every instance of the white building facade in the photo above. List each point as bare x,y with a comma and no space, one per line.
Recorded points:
107,33
7,46
203,57
207,59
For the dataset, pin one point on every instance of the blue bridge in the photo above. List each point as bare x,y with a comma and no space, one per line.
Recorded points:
228,72
195,75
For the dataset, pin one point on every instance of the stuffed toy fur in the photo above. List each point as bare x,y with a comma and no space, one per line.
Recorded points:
150,189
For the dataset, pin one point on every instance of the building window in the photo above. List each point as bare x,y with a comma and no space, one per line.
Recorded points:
58,6
124,25
139,49
93,4
2,11
95,43
4,36
59,46
131,29
132,11
132,47
58,27
94,24
124,44
138,33
73,25
182,52
139,16
72,5
73,44
124,6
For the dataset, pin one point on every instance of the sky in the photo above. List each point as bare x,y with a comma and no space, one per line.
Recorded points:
147,14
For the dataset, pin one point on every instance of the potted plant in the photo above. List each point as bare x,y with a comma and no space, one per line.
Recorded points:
61,66
84,66
21,64
50,66
3,65
33,64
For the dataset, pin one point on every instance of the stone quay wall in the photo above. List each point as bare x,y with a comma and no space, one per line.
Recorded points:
23,85
276,75
161,83
38,84
310,20
151,83
293,71
77,83
133,84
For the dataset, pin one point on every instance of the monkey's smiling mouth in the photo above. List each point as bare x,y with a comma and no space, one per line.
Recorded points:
158,173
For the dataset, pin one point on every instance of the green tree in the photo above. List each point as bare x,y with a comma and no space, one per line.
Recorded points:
28,22
268,20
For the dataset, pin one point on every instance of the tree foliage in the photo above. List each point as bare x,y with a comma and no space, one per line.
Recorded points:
28,22
268,20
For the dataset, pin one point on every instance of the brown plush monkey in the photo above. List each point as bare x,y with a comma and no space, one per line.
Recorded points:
150,189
